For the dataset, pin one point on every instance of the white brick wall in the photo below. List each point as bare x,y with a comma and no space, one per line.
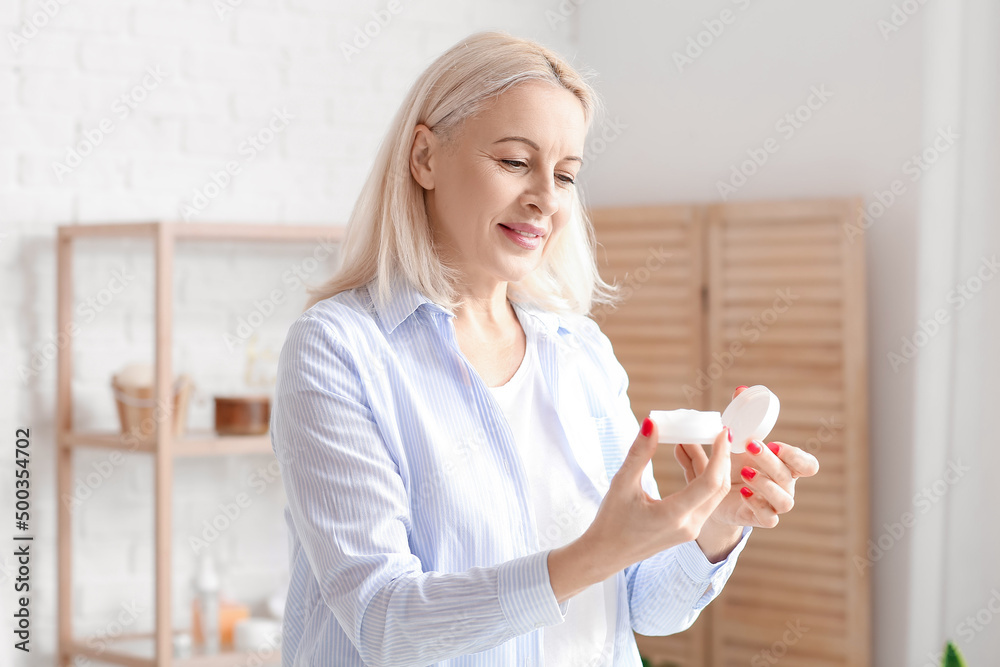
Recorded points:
221,79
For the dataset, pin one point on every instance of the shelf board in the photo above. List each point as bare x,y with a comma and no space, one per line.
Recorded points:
192,443
138,651
207,231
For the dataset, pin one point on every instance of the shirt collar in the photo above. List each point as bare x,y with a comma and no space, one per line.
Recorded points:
405,299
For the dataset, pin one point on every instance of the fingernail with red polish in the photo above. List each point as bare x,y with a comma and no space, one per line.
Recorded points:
753,447
742,386
729,432
774,447
746,492
749,473
647,427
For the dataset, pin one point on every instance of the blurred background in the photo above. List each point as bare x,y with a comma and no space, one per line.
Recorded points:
269,112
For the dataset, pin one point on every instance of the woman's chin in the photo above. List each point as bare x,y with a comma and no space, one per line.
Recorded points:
516,271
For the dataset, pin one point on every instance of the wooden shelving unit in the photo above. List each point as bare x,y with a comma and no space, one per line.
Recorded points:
156,648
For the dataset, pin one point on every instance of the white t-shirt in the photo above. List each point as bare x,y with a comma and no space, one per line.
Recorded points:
562,513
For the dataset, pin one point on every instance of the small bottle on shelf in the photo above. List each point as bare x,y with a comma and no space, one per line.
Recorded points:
206,602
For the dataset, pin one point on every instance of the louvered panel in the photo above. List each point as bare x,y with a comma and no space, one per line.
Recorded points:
661,354
802,624
785,308
764,557
823,632
766,294
802,660
761,255
812,273
796,320
829,357
658,334
743,315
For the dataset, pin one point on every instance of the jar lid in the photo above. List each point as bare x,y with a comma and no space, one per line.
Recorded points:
751,416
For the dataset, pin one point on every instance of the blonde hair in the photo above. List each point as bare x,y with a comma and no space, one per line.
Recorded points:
388,234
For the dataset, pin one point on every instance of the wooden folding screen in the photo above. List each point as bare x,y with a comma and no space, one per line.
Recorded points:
758,293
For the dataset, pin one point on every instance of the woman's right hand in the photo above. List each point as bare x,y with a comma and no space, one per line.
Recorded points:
631,526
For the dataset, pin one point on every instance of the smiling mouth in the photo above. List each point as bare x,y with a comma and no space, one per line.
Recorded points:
524,234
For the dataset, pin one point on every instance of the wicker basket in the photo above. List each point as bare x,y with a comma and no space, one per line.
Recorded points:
136,407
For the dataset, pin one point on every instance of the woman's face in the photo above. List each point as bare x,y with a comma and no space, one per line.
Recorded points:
511,166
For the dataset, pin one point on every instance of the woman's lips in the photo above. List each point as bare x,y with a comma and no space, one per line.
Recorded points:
528,242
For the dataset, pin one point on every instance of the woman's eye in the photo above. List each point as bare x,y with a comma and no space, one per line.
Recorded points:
517,164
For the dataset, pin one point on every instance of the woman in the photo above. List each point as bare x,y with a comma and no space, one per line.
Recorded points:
453,429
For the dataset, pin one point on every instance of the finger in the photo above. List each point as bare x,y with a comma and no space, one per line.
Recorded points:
740,390
702,496
762,510
699,458
765,460
682,458
800,462
640,453
780,500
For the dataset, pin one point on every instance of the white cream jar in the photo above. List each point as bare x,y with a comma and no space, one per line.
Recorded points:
750,416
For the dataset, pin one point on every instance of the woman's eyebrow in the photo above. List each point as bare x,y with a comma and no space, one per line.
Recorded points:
535,146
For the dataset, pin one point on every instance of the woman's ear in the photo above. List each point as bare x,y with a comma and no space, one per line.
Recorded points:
422,152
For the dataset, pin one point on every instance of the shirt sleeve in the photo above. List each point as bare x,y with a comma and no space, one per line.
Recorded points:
350,510
668,590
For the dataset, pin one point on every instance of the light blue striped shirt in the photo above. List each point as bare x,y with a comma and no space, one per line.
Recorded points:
412,540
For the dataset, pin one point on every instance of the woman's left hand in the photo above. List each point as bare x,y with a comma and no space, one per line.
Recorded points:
768,472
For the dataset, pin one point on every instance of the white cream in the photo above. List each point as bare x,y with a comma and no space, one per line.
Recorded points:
690,427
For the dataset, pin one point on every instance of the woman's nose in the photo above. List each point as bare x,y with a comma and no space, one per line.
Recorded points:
542,195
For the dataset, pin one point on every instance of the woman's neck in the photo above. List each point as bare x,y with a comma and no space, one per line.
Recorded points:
487,314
